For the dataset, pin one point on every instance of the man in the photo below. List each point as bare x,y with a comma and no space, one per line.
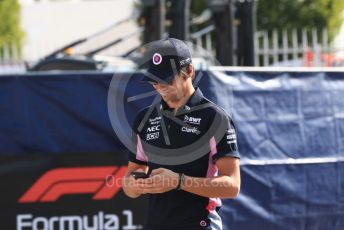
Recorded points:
185,143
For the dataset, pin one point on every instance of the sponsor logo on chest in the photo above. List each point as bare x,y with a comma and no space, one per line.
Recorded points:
153,128
152,136
192,120
193,130
154,121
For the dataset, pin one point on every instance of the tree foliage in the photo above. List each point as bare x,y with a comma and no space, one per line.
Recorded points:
11,34
299,14
293,14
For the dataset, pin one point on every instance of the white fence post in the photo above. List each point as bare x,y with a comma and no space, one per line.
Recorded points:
316,48
325,42
266,48
275,48
305,47
285,45
257,36
294,45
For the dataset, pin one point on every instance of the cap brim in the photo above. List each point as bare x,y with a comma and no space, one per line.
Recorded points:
160,76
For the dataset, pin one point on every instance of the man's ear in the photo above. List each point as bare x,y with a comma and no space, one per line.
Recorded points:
188,72
191,71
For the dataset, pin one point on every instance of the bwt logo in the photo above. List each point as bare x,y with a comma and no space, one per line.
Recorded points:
103,182
192,120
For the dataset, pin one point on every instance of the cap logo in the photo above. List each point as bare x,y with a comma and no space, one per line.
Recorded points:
157,59
185,61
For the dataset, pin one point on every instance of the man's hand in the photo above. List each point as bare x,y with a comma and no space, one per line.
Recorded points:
161,180
132,185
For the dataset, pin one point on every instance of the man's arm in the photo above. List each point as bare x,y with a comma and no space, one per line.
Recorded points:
227,185
129,184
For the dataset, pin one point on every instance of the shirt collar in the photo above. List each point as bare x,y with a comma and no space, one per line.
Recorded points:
194,100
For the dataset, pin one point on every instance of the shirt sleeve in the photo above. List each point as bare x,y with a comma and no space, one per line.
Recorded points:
226,145
136,153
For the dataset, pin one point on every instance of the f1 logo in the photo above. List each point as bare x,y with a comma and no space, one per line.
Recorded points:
81,180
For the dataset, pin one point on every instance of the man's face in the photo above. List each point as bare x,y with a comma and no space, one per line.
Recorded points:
173,91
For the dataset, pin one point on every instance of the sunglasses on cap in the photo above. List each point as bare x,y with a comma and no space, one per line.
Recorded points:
152,82
170,83
155,82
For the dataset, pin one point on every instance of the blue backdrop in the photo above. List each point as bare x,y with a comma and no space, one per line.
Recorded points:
290,131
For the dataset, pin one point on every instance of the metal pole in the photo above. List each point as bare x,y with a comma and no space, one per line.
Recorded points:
180,13
154,14
223,17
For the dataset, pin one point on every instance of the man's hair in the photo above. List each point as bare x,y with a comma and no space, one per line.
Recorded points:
185,70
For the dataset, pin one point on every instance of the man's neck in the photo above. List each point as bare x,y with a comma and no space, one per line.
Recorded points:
178,104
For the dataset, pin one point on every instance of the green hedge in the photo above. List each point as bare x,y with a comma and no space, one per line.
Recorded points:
11,34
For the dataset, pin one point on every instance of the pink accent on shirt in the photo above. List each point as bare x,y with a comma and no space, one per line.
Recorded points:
212,169
140,154
212,172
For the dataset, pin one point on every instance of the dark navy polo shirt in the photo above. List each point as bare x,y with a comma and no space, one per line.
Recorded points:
188,141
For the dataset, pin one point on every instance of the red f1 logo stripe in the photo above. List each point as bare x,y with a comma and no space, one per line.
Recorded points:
81,180
107,192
